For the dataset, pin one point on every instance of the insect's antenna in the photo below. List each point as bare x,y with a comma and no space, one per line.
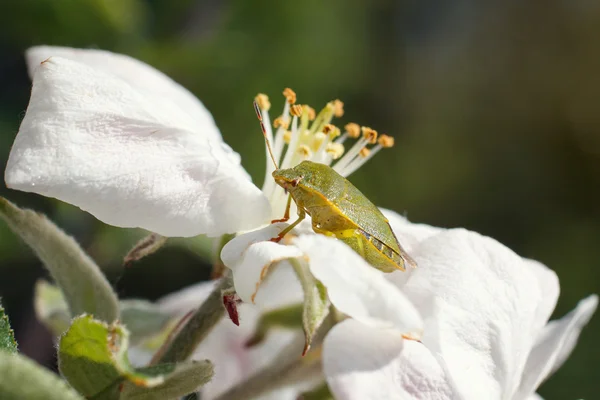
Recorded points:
264,131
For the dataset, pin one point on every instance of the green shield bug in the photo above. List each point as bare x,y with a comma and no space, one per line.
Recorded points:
337,209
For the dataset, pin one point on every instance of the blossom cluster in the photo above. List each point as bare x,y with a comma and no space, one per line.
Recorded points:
124,142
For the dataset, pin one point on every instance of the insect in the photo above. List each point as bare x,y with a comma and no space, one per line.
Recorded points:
338,209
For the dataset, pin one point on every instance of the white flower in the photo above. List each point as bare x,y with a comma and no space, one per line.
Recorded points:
486,331
226,345
121,140
124,142
262,268
354,287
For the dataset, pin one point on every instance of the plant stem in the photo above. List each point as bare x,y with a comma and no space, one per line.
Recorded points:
288,369
199,325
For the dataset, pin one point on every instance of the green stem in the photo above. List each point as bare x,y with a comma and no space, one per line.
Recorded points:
199,325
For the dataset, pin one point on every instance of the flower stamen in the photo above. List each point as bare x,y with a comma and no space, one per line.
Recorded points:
290,95
303,136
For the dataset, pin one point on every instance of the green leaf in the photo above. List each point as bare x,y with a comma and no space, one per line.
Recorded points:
92,356
316,303
179,380
85,287
50,307
23,379
7,337
142,318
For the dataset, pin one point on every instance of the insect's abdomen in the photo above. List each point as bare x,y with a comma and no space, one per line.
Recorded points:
373,250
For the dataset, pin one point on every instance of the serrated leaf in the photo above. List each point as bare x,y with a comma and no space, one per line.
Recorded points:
316,303
142,318
85,287
179,380
7,337
21,378
92,356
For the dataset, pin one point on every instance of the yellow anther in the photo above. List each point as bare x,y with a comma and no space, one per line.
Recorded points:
304,151
353,130
329,128
280,121
364,152
296,110
338,108
263,101
310,112
385,141
317,140
369,134
290,95
287,136
335,150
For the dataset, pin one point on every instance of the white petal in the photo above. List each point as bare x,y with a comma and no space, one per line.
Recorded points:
187,298
550,289
410,236
554,346
535,396
94,141
479,304
364,363
137,74
357,289
226,347
251,257
408,233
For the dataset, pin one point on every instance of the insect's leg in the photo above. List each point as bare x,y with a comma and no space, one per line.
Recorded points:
301,216
286,215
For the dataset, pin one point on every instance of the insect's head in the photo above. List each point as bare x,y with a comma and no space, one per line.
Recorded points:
288,178
300,175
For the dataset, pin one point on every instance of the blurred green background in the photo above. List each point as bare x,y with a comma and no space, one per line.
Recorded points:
494,106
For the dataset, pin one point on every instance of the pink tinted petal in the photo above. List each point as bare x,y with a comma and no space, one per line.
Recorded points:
186,299
365,363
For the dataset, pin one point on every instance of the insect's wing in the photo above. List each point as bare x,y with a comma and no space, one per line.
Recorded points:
369,218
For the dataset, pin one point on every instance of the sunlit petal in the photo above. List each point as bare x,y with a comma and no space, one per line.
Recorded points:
357,289
479,304
144,78
259,274
364,363
94,141
554,345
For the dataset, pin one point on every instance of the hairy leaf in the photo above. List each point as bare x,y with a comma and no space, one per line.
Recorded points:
85,287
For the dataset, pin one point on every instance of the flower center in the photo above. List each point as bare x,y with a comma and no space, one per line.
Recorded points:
301,134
